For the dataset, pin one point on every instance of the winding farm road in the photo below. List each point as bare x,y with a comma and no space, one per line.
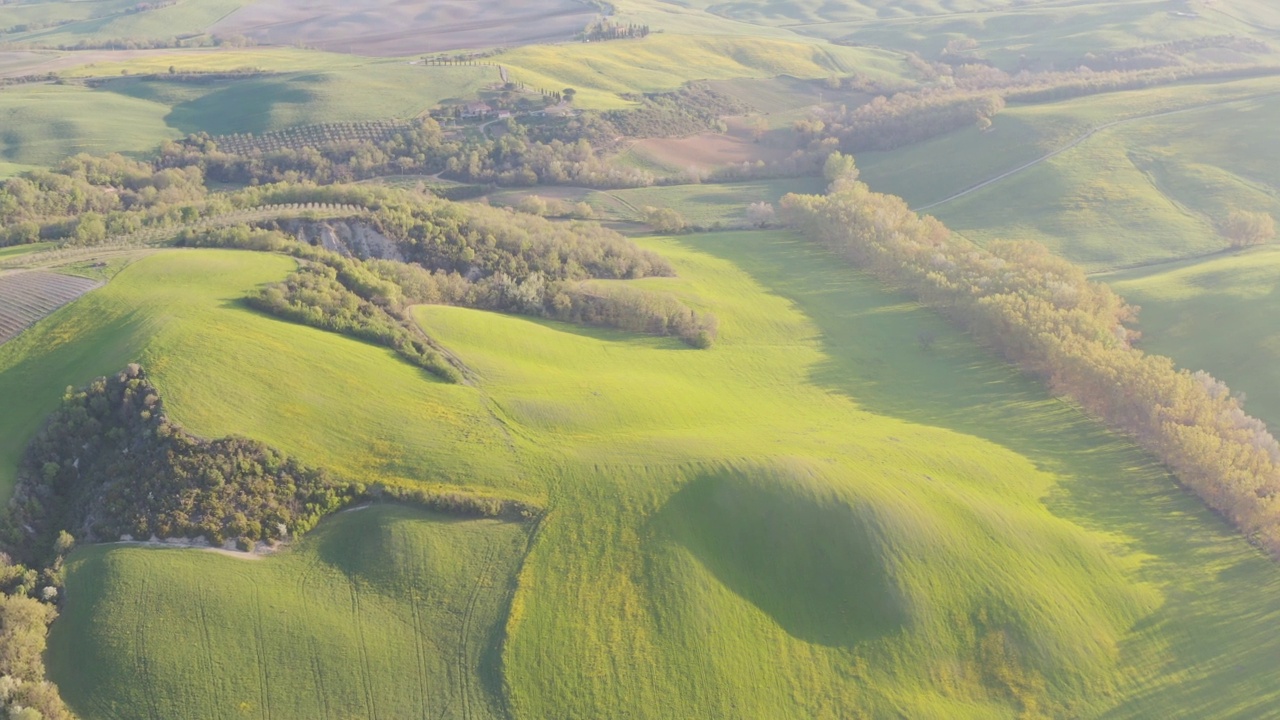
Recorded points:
1076,142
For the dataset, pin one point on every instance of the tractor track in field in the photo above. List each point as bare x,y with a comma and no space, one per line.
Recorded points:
420,653
139,640
316,667
208,654
468,621
366,669
264,680
1082,139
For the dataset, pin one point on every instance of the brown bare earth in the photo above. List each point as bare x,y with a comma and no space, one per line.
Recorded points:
406,27
18,62
706,151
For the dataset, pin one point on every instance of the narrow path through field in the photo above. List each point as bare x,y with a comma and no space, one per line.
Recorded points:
623,203
1076,142
468,621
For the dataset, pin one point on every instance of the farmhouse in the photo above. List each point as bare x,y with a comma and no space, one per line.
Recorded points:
476,109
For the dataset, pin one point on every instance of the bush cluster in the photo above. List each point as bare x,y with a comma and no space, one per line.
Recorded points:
109,462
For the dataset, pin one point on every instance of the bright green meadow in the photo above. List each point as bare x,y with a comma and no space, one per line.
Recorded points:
817,516
1218,314
382,612
1152,188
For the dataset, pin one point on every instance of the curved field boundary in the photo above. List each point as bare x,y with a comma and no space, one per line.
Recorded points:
27,297
1083,138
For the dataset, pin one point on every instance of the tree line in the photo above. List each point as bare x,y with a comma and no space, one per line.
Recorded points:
1044,315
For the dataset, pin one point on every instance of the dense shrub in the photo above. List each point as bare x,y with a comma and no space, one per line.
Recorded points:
109,462
315,296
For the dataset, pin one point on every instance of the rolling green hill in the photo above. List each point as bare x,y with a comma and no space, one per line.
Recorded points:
1150,188
816,516
44,123
601,71
384,612
845,508
274,102
1217,314
1006,32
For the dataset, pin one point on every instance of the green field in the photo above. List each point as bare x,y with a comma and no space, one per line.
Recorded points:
845,508
601,71
882,528
44,123
1145,190
98,20
1218,314
1006,32
382,612
179,313
376,92
704,205
7,253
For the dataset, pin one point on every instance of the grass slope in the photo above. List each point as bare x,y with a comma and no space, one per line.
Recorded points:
101,20
42,124
385,612
1008,33
225,369
815,518
602,71
1149,189
1216,314
347,95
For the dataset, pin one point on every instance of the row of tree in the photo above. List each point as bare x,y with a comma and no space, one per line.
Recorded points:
1042,313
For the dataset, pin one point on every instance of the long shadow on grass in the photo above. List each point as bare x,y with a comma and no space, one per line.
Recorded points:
771,544
1221,597
253,100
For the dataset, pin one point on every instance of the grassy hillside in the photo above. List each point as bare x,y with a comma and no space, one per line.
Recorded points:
816,517
383,612
41,124
274,102
225,369
600,71
1150,188
1216,314
1006,32
99,20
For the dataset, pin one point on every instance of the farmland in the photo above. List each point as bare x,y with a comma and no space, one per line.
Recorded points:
26,297
829,501
630,447
1154,182
386,28
382,612
133,115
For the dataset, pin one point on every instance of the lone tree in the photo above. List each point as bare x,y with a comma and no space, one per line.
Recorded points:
664,219
568,94
1244,229
761,214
